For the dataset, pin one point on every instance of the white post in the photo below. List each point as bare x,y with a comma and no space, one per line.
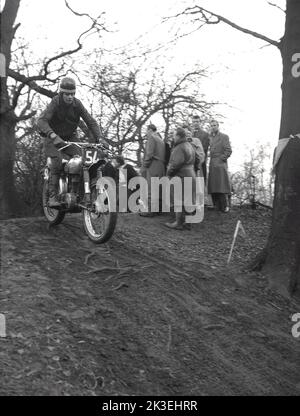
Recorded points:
2,326
238,226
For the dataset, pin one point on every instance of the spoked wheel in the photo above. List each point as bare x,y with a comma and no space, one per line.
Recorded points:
100,221
54,216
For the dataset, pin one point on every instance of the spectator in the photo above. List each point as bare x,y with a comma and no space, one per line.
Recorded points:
197,145
153,164
201,134
168,148
218,180
181,164
118,162
124,172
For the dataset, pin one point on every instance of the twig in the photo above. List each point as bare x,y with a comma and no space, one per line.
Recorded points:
88,256
107,268
126,270
274,306
118,241
276,5
120,285
213,327
169,338
165,265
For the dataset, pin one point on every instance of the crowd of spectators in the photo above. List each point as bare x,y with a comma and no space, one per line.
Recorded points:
185,154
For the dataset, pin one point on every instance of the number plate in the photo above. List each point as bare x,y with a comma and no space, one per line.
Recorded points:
90,156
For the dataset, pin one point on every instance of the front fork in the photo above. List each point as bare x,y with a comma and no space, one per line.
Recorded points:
87,188
86,182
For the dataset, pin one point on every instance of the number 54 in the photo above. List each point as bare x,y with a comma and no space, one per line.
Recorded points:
91,156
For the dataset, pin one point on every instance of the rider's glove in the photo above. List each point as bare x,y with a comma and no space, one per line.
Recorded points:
58,142
104,144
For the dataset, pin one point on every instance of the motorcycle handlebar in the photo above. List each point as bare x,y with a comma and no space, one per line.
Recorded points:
84,145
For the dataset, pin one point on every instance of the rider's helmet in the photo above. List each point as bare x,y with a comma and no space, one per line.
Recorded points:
67,85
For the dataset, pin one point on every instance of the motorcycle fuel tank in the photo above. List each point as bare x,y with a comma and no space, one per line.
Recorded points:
74,165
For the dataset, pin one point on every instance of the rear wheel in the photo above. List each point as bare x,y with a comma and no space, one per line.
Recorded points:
54,216
100,222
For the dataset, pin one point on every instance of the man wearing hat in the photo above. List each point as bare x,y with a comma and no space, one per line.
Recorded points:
153,165
203,136
58,124
219,185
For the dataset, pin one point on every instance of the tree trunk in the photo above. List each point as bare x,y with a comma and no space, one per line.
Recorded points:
10,205
282,263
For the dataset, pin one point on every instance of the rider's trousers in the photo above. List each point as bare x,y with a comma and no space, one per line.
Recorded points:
55,167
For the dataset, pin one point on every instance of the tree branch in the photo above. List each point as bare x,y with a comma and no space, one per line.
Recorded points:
95,21
276,5
31,82
207,15
26,116
44,76
94,26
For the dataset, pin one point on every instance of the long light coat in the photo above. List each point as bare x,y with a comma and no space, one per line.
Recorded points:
220,151
154,159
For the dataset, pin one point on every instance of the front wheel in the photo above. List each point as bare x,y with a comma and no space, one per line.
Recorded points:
54,216
99,221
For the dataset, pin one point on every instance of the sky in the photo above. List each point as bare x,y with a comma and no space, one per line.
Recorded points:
244,73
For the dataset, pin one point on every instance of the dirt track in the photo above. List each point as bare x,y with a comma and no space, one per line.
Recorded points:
152,312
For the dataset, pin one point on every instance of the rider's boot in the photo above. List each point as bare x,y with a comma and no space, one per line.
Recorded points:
53,190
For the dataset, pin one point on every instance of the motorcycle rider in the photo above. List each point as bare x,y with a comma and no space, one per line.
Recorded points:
58,124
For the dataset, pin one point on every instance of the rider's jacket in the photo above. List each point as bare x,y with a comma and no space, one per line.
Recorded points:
63,119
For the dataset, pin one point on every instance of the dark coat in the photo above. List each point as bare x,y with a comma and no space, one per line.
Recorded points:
181,164
204,138
131,172
63,120
218,178
112,172
167,153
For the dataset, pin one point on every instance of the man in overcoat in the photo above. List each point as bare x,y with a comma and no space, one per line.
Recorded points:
153,163
203,136
218,179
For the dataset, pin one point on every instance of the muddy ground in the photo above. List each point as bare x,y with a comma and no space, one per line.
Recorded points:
152,312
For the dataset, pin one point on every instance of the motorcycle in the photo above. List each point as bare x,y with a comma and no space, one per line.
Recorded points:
78,191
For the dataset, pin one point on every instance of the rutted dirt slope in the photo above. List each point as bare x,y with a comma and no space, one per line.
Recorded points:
153,311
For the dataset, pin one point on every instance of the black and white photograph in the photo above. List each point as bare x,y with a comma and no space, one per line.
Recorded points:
149,201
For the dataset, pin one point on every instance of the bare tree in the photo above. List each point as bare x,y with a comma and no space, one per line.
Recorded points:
253,182
128,99
280,259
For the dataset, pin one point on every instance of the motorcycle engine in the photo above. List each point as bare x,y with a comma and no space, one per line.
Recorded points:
74,165
70,200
